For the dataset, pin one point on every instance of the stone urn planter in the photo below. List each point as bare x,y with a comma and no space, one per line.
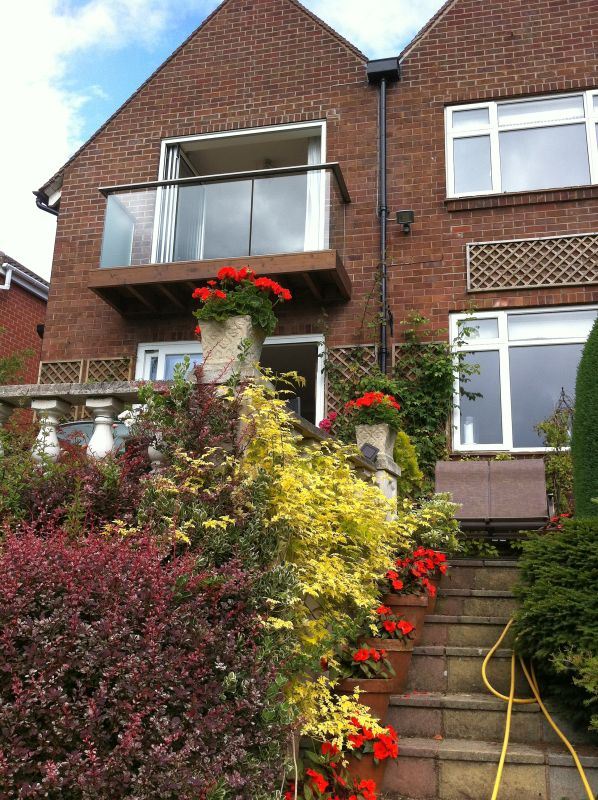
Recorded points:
234,345
412,607
399,654
380,435
375,693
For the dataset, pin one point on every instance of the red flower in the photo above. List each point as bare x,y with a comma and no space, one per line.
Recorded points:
384,610
318,779
212,283
243,274
197,330
220,294
405,627
226,273
361,655
389,626
356,739
201,294
328,747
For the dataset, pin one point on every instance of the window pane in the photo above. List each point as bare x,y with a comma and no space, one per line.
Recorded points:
479,328
481,420
596,102
557,325
544,158
538,375
226,219
171,361
279,211
470,120
551,110
471,157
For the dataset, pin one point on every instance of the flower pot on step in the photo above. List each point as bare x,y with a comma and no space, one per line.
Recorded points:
366,769
399,654
375,693
224,342
412,607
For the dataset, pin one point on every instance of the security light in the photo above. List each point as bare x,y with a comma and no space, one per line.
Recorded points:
406,219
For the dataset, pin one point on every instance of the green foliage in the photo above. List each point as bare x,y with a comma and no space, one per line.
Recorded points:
559,603
556,433
12,366
424,377
434,525
584,442
583,670
410,481
477,548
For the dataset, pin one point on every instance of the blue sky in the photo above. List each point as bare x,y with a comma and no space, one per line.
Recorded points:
68,64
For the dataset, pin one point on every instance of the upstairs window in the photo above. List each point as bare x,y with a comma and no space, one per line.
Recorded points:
522,145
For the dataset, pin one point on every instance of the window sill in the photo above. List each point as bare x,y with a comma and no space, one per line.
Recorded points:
507,199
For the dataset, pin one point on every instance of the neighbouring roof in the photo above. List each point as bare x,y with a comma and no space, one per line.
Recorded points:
24,277
54,183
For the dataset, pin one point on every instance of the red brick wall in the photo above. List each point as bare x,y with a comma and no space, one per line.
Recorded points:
20,313
265,62
481,51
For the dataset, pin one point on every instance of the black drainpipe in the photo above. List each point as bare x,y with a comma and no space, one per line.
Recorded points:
41,201
383,71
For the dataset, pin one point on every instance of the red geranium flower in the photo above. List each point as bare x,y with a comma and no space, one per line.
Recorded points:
318,779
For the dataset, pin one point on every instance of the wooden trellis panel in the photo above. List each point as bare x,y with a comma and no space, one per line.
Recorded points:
61,372
99,370
533,263
352,362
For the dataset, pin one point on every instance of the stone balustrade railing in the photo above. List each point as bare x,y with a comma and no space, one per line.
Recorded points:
53,402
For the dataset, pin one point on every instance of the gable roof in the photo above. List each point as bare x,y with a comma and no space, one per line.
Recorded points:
423,32
53,184
25,278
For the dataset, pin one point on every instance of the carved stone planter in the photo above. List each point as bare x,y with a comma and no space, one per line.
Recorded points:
232,346
381,436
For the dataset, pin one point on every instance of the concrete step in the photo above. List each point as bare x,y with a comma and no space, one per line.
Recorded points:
454,769
489,573
458,670
475,602
464,630
477,717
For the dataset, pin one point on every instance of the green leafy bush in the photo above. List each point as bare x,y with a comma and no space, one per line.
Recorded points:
410,481
584,442
559,603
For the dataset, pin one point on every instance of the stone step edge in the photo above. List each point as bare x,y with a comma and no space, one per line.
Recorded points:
463,702
490,593
461,652
471,750
464,619
506,563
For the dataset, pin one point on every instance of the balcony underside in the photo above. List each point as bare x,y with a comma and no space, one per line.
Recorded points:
165,289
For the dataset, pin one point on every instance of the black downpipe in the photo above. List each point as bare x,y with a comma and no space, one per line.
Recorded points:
383,214
41,201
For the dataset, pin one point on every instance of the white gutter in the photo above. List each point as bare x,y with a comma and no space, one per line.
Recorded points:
18,277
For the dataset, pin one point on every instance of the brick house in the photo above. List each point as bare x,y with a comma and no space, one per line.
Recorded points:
490,140
23,300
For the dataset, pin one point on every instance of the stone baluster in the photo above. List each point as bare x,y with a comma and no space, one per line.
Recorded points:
104,411
49,411
383,438
5,412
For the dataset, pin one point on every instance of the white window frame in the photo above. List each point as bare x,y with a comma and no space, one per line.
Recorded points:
492,130
319,124
502,345
146,350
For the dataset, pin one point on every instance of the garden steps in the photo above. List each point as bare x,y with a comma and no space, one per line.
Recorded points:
451,727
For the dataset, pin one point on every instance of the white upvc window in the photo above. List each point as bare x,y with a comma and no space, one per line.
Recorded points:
303,354
526,359
522,145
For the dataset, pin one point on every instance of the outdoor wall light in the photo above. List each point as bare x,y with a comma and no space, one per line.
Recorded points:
406,219
369,452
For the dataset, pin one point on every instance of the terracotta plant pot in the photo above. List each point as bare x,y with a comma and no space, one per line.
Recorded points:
399,654
375,693
365,769
412,607
222,343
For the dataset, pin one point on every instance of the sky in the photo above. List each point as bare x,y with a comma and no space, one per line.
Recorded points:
67,65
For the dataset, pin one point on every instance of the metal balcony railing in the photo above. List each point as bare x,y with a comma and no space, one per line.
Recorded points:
259,212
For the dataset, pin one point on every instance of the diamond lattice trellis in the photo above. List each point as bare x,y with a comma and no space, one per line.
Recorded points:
348,363
533,263
61,371
108,369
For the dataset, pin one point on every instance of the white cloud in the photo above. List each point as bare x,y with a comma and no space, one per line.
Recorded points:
379,28
42,118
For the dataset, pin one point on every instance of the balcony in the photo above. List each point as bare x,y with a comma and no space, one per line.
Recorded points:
163,238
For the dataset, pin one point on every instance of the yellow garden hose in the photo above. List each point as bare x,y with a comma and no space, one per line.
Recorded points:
512,700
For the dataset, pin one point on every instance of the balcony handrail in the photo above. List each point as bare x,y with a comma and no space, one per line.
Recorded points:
333,166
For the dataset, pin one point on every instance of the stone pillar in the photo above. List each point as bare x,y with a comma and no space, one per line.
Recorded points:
5,412
105,411
383,438
49,412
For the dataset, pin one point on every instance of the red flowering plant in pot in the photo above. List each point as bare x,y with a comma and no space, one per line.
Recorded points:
370,752
369,669
236,315
323,774
397,637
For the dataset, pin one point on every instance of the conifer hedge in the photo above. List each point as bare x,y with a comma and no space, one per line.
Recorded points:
584,443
